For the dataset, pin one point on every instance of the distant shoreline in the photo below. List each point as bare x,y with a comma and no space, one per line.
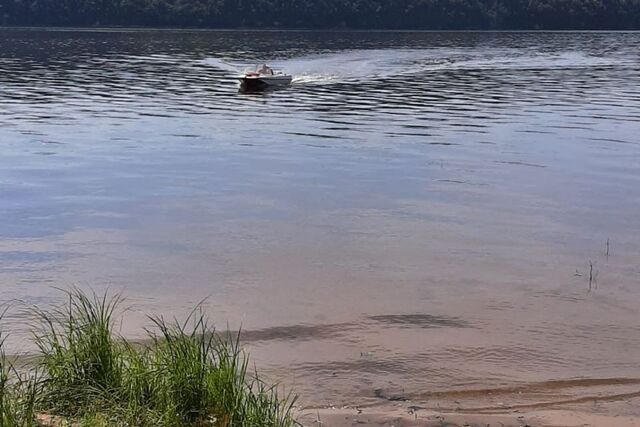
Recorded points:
107,28
418,15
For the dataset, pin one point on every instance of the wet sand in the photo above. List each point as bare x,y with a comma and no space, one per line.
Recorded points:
400,418
618,411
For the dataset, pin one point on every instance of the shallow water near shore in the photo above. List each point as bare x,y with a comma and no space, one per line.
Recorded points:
417,213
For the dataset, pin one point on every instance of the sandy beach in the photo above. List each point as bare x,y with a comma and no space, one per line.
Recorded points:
594,403
618,413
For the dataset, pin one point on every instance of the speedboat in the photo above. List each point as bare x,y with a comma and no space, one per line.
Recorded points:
263,77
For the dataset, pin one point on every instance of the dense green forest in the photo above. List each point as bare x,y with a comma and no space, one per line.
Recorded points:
355,14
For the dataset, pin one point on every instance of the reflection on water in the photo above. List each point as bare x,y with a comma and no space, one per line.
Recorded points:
418,210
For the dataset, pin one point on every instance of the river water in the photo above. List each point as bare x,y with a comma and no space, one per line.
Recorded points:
417,212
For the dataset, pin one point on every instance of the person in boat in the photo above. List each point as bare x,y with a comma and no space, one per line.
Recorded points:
265,70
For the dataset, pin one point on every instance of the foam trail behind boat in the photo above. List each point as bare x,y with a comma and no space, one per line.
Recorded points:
368,64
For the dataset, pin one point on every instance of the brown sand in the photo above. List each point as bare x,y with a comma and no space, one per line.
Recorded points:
619,412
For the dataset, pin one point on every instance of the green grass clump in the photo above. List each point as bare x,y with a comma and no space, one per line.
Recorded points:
81,360
185,375
17,393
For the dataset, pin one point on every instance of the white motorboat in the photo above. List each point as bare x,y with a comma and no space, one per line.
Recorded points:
262,77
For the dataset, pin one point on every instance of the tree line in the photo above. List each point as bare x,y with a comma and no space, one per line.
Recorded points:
352,14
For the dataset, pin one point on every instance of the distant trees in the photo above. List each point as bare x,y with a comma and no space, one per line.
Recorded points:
356,14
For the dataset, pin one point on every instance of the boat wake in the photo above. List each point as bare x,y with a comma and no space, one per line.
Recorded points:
380,64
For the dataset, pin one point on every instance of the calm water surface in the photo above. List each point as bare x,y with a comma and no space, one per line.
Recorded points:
417,212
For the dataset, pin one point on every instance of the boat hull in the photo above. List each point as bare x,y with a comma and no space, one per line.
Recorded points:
263,82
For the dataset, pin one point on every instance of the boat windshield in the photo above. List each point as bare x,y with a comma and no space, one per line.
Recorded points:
265,70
